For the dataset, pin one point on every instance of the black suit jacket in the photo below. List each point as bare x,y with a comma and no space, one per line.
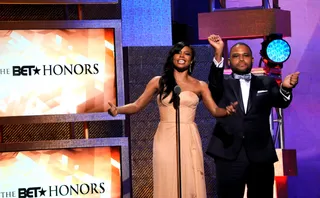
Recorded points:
250,129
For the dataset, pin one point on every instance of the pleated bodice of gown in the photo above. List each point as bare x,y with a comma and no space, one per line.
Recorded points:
191,155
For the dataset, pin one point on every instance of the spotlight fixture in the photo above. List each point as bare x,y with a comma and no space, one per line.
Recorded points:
275,50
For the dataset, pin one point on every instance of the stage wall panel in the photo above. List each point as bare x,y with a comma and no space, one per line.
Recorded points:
59,12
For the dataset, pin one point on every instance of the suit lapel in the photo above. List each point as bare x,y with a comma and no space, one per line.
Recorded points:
252,92
235,86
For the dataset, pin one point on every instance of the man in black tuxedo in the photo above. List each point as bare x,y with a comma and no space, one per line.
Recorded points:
242,144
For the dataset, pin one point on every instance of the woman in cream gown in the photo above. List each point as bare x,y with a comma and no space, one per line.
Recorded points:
164,150
177,71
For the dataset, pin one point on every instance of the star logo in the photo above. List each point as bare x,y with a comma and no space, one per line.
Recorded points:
36,70
42,192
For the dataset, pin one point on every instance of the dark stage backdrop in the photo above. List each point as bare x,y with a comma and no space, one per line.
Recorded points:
143,64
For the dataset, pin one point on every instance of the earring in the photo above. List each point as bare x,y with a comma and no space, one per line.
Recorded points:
190,69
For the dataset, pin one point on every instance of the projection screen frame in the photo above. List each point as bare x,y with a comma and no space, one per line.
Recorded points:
73,24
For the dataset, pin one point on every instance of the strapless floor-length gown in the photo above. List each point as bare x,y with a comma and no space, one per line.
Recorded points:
164,150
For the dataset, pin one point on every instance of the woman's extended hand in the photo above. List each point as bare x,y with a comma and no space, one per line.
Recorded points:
231,109
113,109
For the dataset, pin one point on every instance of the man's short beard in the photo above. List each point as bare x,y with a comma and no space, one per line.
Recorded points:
236,71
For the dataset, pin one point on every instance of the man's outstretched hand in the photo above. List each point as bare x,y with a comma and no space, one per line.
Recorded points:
291,80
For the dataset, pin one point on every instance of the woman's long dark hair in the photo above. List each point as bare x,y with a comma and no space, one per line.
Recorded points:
167,81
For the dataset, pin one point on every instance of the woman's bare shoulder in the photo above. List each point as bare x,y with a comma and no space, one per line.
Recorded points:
155,79
198,83
203,84
154,82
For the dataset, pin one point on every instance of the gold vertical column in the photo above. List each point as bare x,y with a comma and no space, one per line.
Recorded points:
85,130
80,13
1,133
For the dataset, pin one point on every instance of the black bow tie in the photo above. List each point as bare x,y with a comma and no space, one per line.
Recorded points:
246,77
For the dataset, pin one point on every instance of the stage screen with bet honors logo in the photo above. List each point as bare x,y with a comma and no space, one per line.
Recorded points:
59,71
79,168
